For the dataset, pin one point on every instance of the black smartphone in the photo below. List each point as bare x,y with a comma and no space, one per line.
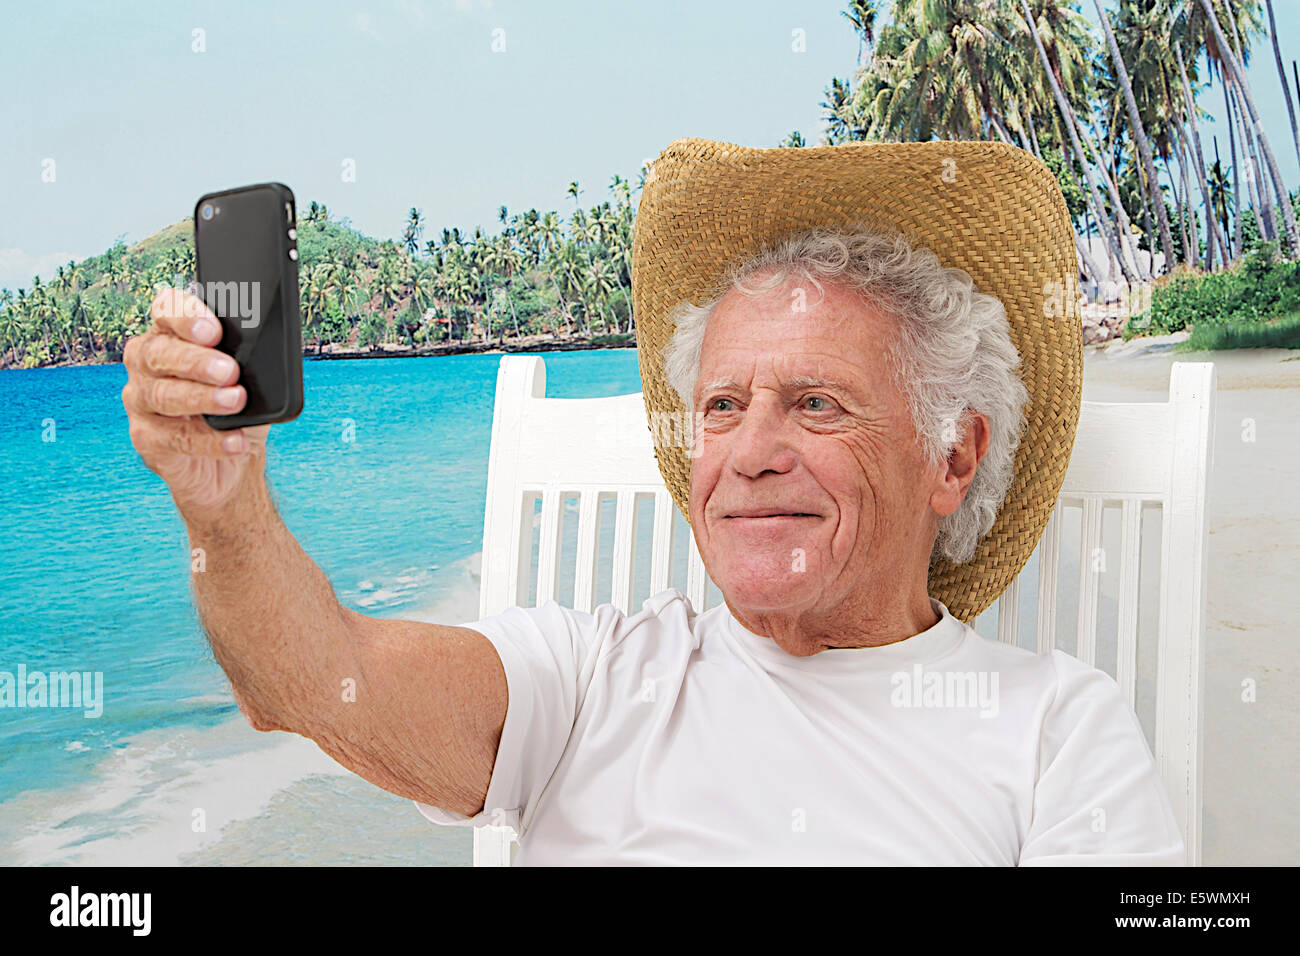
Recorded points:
246,267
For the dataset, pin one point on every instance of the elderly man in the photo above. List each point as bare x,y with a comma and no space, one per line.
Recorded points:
874,447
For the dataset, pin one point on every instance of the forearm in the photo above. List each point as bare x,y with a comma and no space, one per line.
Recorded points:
271,615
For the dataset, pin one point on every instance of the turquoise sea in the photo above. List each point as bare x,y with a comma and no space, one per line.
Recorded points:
94,576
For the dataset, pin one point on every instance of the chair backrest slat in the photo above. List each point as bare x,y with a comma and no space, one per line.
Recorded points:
584,582
521,527
1130,563
662,547
621,594
1090,558
1048,560
548,551
1009,614
697,579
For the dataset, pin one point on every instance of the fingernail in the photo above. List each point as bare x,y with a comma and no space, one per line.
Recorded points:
203,328
229,397
233,442
220,367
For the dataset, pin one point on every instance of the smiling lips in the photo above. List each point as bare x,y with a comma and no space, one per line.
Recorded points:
770,513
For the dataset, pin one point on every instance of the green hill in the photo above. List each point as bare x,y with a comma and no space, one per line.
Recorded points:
357,292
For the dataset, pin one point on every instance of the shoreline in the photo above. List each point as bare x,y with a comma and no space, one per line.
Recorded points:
537,344
527,344
1143,346
136,792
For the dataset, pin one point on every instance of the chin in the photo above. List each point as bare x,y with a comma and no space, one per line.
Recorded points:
760,586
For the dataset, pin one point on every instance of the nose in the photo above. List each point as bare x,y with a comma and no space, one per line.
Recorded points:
759,444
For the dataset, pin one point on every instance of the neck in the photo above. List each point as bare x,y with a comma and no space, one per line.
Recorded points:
868,620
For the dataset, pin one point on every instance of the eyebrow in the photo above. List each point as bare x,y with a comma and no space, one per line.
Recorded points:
812,381
798,381
720,383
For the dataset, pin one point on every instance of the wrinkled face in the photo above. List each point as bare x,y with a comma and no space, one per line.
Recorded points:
809,490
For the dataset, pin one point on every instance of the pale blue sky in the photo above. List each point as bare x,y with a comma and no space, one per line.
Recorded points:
139,125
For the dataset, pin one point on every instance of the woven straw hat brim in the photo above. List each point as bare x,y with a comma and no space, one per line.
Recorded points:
991,209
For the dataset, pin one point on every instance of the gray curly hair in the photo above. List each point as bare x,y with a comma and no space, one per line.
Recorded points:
953,352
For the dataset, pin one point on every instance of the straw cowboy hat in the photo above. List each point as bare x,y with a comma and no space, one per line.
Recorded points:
988,208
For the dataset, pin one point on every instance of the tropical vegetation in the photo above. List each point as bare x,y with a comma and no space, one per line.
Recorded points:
1115,111
538,275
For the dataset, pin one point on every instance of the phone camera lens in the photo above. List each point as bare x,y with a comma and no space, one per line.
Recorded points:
207,210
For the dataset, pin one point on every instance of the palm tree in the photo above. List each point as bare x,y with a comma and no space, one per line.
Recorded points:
862,14
461,285
315,284
947,69
1031,105
388,280
1281,75
599,278
794,140
1232,119
1234,70
619,255
48,314
1138,131
1212,234
578,227
529,239
622,190
1118,237
549,233
419,282
838,110
120,272
1245,23
414,229
570,262
79,324
967,69
1218,182
503,259
550,238
1150,36
12,327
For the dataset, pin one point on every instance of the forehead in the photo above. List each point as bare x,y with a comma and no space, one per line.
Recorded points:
798,334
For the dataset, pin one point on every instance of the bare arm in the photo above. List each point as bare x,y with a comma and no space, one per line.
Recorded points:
414,708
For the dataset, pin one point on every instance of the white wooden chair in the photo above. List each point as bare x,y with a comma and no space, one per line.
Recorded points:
556,460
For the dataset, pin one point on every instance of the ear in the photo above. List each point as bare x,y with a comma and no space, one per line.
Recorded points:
959,472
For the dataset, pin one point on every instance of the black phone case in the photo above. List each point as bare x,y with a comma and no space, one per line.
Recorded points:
254,245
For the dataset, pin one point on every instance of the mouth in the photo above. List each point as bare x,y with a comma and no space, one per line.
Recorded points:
771,513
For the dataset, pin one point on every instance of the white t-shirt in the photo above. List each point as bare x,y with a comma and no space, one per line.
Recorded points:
671,737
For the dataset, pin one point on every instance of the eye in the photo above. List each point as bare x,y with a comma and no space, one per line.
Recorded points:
823,403
713,405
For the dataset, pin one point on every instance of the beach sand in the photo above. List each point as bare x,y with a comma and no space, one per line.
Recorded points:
1250,767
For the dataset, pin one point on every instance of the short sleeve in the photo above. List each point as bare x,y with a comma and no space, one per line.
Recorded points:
547,654
1098,799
